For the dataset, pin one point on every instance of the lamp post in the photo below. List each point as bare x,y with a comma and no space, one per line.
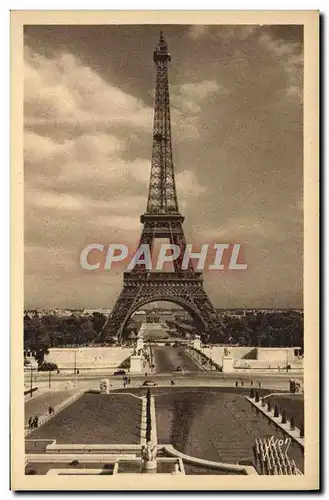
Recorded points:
31,380
286,360
49,379
75,362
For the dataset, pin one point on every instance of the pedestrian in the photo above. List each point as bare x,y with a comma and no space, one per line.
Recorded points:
241,383
251,383
49,410
35,422
145,374
259,385
236,384
30,423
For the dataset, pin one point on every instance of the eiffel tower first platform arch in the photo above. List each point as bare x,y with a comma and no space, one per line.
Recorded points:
163,219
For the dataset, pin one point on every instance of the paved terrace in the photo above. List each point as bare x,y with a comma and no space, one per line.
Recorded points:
216,424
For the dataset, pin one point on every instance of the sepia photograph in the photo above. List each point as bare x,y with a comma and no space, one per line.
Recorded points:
164,324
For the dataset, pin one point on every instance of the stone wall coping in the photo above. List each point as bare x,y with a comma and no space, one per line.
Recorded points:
294,434
54,447
247,470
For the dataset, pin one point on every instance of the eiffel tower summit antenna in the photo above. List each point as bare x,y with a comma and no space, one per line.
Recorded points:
162,219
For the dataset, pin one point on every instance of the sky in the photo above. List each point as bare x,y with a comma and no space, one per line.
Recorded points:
237,133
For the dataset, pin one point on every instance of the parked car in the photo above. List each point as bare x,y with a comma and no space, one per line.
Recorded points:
47,367
149,383
119,372
178,369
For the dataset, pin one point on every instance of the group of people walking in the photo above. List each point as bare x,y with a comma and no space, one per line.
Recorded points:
33,422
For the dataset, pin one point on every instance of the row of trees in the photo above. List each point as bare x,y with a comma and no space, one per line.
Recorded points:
263,329
41,333
275,329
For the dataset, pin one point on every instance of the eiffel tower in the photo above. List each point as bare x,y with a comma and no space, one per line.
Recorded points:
162,219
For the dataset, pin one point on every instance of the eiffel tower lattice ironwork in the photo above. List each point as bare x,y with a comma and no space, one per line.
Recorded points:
162,219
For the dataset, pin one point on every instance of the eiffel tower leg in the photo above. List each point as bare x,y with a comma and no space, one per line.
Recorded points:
116,321
142,288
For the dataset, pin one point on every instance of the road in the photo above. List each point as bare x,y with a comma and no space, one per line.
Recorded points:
167,359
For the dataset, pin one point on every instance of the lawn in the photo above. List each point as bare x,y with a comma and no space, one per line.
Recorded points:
95,419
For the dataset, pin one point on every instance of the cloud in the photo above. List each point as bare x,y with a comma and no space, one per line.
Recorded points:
249,228
187,103
197,31
189,97
187,185
289,56
124,222
235,32
225,32
62,90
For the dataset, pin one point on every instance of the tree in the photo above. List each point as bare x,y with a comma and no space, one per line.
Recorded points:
98,321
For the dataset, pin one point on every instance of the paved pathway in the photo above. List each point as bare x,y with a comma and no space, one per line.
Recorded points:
168,359
39,405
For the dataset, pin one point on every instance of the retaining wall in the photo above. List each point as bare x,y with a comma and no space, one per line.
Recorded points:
88,358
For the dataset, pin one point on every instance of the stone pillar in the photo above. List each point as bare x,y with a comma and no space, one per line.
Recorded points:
227,364
136,365
105,386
